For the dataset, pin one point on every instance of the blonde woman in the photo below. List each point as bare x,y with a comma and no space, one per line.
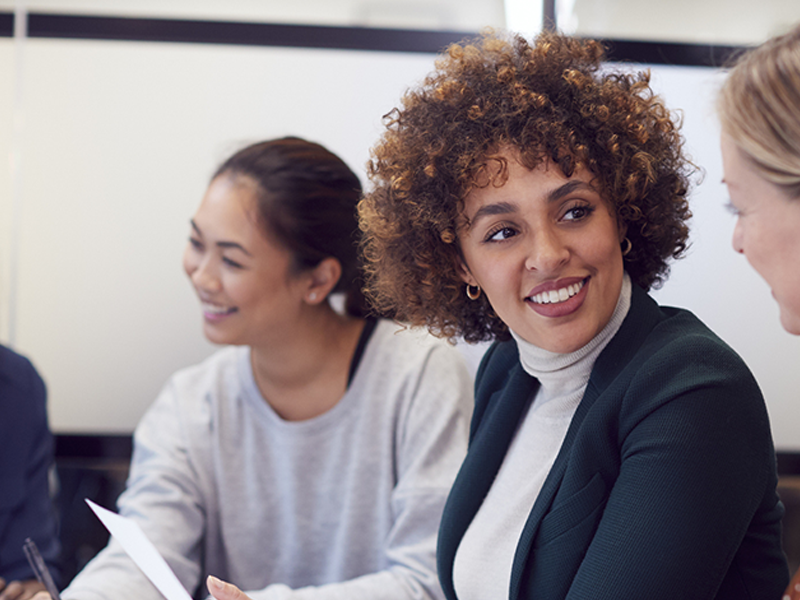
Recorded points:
760,113
759,109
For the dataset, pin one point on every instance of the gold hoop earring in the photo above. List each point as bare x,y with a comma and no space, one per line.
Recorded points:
628,246
473,295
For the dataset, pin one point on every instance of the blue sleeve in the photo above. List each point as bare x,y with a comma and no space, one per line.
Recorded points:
26,508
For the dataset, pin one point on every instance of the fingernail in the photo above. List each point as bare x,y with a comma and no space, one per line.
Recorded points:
213,582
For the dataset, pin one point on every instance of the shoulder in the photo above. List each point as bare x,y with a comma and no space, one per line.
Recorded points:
411,370
206,375
681,364
22,390
410,350
660,341
15,369
681,343
188,395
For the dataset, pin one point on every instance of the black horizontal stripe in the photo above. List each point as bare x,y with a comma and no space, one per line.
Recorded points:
93,447
43,25
85,27
671,53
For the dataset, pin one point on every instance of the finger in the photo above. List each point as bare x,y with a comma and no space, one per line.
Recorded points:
42,596
224,591
2,584
12,591
30,589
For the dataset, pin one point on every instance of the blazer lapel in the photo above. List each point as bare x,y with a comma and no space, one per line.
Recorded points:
548,492
483,460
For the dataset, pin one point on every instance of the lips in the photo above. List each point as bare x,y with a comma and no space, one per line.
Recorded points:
215,312
555,296
558,298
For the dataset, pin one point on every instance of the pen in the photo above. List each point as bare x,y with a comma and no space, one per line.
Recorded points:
40,568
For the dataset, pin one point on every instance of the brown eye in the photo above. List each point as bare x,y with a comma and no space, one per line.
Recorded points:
576,213
498,235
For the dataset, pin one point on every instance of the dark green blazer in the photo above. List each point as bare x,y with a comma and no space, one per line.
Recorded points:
664,486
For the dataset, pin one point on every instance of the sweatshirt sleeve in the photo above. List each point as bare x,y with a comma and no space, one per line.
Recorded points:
431,442
164,498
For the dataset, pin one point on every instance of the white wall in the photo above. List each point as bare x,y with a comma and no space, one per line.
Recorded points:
119,141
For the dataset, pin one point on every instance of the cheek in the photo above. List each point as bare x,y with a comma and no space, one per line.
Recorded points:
607,253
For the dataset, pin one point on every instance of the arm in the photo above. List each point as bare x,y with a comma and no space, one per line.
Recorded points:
696,466
164,498
26,507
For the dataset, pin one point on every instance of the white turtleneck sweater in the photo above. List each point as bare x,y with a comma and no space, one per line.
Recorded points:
482,567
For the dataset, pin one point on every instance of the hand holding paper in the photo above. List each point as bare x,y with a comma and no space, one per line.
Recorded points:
142,552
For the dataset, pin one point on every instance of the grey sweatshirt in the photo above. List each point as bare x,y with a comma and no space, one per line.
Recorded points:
344,505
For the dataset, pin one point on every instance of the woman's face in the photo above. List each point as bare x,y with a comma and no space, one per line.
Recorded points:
545,249
243,279
767,230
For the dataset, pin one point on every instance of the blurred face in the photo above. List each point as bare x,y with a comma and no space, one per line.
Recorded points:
545,249
242,278
767,230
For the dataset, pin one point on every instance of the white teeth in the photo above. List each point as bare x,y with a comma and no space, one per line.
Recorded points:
560,295
214,309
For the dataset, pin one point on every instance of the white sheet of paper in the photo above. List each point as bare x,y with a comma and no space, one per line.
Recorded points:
142,551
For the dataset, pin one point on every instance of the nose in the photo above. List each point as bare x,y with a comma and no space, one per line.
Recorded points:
738,237
201,271
547,252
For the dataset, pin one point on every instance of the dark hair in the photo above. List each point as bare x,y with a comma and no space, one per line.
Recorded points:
547,100
307,199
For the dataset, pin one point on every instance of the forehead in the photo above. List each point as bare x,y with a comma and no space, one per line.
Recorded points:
509,184
229,209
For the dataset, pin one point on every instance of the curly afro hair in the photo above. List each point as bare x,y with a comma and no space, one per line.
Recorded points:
550,100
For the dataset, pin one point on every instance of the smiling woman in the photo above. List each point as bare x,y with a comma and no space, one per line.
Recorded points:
523,194
316,451
562,228
242,278
759,107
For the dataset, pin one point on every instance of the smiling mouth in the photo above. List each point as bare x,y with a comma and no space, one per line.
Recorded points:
559,295
218,311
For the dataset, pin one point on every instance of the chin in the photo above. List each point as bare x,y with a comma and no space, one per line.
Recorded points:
217,337
790,322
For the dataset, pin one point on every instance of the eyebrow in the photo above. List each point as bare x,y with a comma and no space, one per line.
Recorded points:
502,208
221,244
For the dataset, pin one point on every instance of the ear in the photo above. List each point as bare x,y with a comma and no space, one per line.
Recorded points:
464,273
623,230
322,279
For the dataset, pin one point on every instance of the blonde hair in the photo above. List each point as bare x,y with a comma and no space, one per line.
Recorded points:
759,108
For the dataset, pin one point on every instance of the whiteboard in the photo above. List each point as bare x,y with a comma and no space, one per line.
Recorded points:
120,139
